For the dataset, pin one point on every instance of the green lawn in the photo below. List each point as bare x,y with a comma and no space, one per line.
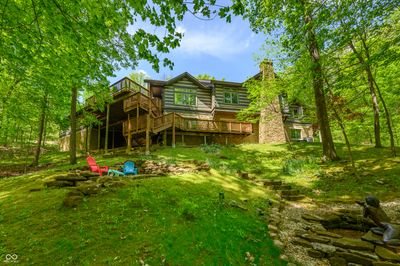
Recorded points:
178,220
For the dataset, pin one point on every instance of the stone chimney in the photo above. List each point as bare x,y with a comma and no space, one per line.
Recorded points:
267,69
271,128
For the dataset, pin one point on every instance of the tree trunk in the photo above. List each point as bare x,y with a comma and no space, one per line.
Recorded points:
44,132
41,128
72,140
375,105
318,84
388,121
343,129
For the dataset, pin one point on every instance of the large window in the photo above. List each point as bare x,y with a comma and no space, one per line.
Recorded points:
231,97
184,96
295,134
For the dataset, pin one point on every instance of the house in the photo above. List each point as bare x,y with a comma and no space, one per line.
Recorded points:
184,111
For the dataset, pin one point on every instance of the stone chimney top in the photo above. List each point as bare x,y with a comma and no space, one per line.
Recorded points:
267,69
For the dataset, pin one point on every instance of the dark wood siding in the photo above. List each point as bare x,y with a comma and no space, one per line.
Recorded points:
242,97
203,98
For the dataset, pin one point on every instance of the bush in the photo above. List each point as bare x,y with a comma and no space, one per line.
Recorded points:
212,148
188,209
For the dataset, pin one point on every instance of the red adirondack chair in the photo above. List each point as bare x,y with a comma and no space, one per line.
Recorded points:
94,167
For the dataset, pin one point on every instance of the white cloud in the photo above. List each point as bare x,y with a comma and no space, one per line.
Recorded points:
222,41
180,29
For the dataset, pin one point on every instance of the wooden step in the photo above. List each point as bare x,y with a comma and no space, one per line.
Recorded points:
293,197
285,187
275,183
290,192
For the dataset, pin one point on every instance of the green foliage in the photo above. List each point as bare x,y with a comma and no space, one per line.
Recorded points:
188,209
211,148
297,166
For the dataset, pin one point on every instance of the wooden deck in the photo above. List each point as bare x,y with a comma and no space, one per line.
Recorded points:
139,100
170,120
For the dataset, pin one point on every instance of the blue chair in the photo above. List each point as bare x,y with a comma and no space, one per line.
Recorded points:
129,168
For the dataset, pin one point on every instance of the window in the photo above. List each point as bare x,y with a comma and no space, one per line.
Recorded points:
231,97
185,96
295,134
297,111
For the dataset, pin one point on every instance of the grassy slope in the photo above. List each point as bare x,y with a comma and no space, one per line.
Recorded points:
179,218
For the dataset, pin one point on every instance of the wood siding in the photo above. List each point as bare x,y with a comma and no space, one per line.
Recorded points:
203,98
219,97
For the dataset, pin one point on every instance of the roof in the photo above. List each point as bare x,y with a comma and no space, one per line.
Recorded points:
207,84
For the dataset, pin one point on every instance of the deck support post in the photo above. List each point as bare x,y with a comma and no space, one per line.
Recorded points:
148,134
107,124
89,135
165,138
183,139
113,138
137,117
98,137
129,144
205,139
173,131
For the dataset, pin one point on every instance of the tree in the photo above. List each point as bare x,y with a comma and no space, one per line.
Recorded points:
139,77
302,28
79,44
205,77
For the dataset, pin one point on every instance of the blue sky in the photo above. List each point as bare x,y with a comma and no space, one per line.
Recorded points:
220,49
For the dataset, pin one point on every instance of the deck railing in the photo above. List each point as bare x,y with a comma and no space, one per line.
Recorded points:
139,100
129,84
163,122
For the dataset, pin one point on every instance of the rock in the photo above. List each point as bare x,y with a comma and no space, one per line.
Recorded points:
284,257
72,201
315,238
372,256
89,189
58,184
350,257
301,242
114,184
88,174
337,261
373,238
272,228
327,249
355,244
386,254
315,253
384,263
273,235
69,177
278,244
74,192
327,233
104,179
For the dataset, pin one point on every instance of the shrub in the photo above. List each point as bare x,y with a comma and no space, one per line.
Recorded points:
188,209
211,148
